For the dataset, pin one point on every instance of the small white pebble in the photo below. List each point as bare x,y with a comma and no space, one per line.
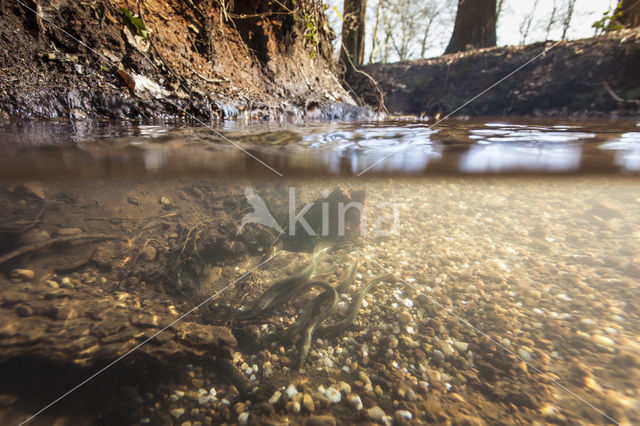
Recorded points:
333,395
291,391
408,303
524,354
403,414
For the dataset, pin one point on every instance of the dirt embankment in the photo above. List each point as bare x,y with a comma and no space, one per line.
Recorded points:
191,60
596,76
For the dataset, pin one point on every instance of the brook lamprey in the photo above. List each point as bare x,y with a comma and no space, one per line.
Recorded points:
325,312
318,309
342,325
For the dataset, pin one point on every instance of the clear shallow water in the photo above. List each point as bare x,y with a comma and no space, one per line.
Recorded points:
472,146
514,299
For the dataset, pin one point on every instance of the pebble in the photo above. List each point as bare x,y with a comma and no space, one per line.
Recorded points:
177,412
401,416
307,403
344,387
267,369
603,341
291,391
165,202
563,297
355,401
525,354
376,414
461,346
333,395
275,397
588,324
438,356
411,395
33,236
23,274
243,419
378,390
293,406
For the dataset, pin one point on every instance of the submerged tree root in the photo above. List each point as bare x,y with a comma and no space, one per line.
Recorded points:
317,310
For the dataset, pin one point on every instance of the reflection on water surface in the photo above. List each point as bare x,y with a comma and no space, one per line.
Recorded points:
451,147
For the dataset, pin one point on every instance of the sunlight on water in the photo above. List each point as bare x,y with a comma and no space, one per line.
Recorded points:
456,146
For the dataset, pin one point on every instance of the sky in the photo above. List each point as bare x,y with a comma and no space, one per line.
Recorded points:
508,30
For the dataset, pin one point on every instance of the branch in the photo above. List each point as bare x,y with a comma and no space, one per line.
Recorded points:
618,98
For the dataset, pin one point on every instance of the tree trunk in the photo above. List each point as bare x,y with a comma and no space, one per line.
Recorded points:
475,25
630,13
352,50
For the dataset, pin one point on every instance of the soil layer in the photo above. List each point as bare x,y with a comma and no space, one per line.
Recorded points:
199,62
590,77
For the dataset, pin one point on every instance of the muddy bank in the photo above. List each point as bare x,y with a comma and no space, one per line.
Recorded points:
589,77
197,62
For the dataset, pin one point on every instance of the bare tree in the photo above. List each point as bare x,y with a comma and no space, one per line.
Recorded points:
552,20
499,10
430,16
566,19
525,25
374,35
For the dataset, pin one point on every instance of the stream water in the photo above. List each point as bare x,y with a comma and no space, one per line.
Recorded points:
503,257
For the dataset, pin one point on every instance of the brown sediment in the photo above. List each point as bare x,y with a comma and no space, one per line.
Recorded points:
80,61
